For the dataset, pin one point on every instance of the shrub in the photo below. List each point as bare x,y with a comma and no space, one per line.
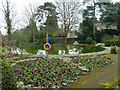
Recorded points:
110,32
99,35
113,50
107,43
106,37
8,76
88,40
115,37
112,42
94,42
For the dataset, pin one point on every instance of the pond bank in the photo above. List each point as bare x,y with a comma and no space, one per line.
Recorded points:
106,51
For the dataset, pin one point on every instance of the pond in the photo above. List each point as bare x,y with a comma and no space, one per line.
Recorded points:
57,49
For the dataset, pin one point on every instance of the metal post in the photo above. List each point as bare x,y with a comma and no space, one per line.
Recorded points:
47,33
47,42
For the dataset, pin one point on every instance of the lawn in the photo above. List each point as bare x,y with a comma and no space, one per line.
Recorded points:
57,72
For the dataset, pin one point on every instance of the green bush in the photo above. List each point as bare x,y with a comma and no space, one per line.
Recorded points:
106,37
113,50
89,40
112,42
115,37
110,32
107,42
8,76
99,36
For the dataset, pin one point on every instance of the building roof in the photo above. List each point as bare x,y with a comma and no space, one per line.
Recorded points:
63,34
59,34
71,35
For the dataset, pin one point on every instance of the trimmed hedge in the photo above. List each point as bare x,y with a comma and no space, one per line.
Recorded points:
112,42
9,81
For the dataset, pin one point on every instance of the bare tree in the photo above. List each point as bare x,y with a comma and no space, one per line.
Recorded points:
69,11
30,19
9,15
29,13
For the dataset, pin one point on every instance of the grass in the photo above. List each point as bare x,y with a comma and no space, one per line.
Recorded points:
111,84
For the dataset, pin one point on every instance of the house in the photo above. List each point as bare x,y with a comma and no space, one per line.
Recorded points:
71,36
101,26
61,35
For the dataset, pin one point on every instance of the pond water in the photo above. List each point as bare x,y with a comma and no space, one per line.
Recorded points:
57,49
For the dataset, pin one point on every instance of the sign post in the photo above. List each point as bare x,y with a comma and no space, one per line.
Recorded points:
47,46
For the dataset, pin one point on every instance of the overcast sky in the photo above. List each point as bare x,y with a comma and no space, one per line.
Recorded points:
19,7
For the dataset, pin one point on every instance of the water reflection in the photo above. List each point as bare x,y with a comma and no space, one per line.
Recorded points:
57,49
41,52
61,52
19,51
75,51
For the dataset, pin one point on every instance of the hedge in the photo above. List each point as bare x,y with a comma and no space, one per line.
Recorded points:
9,81
112,42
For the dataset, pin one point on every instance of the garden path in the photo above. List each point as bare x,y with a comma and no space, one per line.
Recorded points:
104,77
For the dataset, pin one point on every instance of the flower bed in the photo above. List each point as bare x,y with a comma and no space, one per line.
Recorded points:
56,72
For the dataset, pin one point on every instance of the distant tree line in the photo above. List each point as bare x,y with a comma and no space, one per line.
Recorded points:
109,15
44,19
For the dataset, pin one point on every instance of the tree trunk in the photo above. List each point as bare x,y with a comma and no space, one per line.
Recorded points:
118,20
33,37
66,40
94,22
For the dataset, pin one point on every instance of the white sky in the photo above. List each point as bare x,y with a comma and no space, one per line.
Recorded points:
19,7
